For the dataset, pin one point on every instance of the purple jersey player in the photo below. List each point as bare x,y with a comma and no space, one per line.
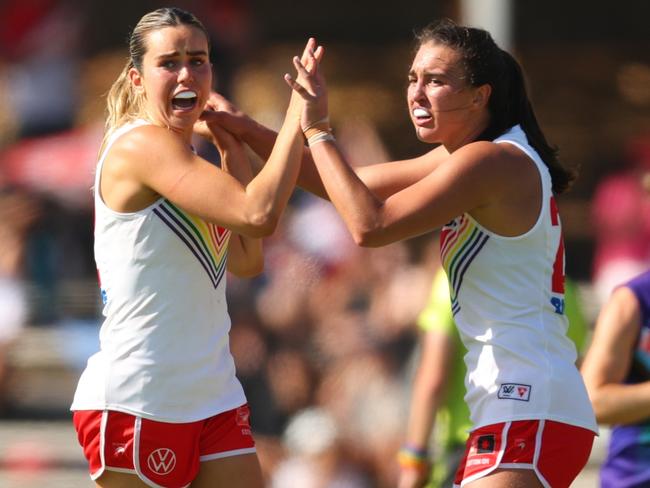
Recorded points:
617,374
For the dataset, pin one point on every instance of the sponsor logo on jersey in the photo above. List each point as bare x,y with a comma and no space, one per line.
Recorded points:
119,449
485,444
514,391
162,461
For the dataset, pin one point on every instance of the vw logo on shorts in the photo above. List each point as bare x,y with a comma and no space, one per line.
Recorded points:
162,461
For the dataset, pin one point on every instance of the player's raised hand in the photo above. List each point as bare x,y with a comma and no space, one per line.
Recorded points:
309,84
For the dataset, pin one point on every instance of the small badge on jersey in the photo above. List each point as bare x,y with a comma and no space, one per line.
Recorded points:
514,391
485,444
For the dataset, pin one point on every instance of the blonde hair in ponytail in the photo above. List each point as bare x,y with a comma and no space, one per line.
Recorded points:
123,105
122,102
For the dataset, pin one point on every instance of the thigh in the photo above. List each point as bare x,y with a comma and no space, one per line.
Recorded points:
113,479
508,478
242,471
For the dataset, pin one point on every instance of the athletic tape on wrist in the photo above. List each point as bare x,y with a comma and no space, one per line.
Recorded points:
324,122
320,136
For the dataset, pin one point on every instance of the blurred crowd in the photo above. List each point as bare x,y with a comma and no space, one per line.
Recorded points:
324,340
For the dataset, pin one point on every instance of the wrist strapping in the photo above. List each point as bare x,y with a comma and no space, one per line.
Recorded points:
324,122
314,130
320,136
412,457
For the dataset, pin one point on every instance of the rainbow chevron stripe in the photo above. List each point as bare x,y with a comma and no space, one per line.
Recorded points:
208,242
460,242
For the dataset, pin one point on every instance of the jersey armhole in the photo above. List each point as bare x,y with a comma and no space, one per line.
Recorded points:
545,195
99,199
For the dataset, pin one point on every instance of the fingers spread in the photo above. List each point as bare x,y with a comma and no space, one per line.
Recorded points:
304,93
318,53
311,44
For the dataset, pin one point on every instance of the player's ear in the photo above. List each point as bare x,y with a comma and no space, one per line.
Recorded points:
136,79
482,95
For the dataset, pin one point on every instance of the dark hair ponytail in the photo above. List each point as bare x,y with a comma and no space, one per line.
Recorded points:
485,63
509,105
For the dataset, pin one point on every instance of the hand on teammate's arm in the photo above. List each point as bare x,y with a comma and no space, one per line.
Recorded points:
170,169
245,254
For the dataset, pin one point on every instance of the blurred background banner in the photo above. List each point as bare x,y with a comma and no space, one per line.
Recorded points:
325,339
61,165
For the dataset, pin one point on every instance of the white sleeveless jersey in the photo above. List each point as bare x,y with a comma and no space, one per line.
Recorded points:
164,344
507,297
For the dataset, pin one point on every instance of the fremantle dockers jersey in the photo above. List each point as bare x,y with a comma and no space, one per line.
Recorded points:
628,459
164,347
507,297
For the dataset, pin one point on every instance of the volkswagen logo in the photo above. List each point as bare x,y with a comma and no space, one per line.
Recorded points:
162,461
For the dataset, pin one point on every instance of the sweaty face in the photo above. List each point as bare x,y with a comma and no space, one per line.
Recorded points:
439,96
176,76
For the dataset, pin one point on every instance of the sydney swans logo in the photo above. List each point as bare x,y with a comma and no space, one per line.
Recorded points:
162,461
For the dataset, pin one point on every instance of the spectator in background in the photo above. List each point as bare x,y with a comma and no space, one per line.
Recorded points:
621,220
316,458
18,212
41,75
616,370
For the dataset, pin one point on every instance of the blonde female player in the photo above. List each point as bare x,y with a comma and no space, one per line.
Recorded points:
159,404
490,185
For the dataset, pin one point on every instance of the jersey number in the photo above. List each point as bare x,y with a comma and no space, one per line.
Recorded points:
557,281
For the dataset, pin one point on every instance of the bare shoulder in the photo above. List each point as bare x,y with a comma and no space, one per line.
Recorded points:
148,139
147,145
486,152
503,165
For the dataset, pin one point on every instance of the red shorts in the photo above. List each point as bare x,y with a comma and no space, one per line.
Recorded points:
557,452
160,453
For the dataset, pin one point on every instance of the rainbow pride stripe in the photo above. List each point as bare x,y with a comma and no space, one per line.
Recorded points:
460,242
208,242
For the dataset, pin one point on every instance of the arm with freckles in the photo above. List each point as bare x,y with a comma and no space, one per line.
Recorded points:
608,361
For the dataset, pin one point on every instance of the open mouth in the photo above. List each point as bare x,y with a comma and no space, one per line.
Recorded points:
421,114
186,100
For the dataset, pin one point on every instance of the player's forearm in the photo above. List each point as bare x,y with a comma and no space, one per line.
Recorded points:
245,256
235,162
426,399
261,140
420,422
270,190
358,207
621,403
